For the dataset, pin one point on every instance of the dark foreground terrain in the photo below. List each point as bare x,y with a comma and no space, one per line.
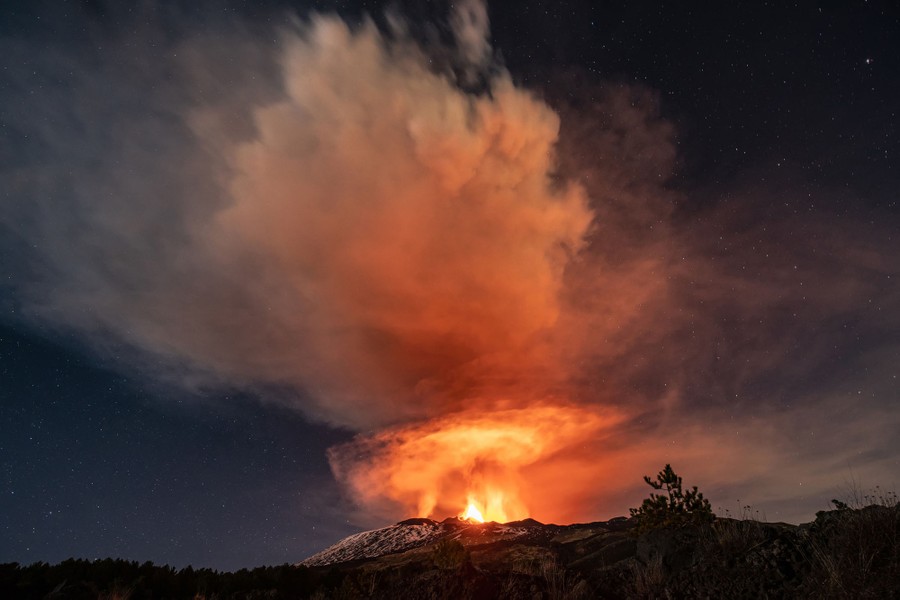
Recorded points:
844,553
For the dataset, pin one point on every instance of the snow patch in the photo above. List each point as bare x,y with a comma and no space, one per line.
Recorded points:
415,533
378,542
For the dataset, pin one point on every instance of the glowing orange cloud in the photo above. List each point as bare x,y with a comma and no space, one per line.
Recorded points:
473,460
414,237
338,218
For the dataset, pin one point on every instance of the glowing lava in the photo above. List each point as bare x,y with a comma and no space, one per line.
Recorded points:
503,464
472,514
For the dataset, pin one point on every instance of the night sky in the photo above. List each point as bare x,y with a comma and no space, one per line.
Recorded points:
178,354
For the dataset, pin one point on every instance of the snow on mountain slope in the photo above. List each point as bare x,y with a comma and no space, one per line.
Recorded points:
378,542
415,533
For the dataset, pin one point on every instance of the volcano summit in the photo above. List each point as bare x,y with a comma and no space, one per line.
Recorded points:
412,534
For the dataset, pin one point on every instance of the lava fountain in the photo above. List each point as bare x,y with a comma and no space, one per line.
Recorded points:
471,514
476,458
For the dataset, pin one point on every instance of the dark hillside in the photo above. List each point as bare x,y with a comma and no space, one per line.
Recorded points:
844,553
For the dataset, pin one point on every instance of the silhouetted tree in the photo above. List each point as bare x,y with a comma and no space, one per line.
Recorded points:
675,507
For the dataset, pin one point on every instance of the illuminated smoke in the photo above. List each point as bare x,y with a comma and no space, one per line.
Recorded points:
471,27
374,244
474,457
334,223
414,231
425,244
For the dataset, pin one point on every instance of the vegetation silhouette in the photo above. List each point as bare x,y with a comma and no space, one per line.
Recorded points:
852,552
674,508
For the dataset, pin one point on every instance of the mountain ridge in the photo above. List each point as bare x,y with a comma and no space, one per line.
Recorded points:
417,532
727,558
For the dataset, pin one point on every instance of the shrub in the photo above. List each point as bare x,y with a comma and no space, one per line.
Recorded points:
561,585
675,507
450,554
647,580
855,552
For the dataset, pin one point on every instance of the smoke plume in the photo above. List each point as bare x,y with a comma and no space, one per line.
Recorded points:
497,287
414,231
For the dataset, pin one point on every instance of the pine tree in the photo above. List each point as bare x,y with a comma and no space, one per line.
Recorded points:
675,507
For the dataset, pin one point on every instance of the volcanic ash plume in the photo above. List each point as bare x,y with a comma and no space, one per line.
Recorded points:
413,229
383,244
421,242
378,233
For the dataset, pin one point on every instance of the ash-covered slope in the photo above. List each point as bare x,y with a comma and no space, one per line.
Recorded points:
415,533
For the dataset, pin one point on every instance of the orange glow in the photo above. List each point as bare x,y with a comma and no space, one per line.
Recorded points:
475,458
427,243
418,238
472,514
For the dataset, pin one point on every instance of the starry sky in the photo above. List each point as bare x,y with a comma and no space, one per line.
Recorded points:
730,293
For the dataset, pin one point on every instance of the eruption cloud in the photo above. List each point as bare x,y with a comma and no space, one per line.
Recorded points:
371,237
472,458
415,226
420,229
501,299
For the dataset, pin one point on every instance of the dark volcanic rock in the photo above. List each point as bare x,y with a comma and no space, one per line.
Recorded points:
526,559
